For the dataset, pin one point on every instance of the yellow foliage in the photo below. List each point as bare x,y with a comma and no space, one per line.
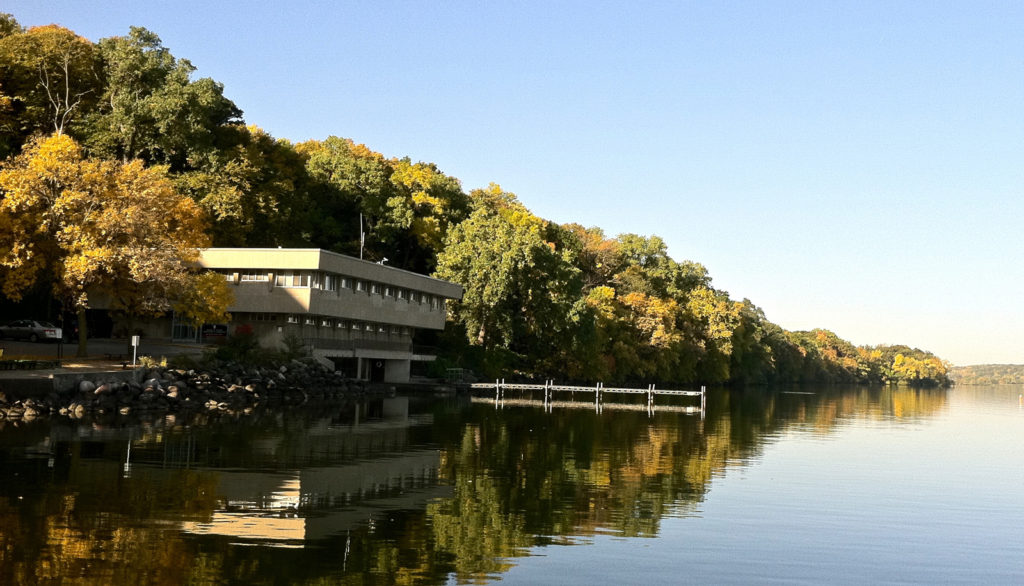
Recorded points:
655,318
205,299
95,225
719,315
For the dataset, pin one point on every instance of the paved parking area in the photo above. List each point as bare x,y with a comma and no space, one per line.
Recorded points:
98,348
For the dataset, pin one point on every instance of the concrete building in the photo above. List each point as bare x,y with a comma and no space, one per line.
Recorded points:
359,315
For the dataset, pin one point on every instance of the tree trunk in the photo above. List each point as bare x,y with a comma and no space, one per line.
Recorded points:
83,348
481,336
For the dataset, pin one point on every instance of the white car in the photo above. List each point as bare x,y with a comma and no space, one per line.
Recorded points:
31,330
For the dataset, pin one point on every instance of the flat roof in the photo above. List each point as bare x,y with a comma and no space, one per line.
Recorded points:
324,260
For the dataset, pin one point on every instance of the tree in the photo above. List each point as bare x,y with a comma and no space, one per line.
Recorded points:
255,194
429,203
150,108
9,124
95,228
51,76
597,256
9,25
352,179
521,294
715,318
204,299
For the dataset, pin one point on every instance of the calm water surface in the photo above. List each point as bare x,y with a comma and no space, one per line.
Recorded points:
845,486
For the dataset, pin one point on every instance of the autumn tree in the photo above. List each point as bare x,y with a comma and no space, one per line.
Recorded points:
426,204
51,76
95,228
597,256
352,180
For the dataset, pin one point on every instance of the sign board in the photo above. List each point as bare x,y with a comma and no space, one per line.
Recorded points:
135,349
215,330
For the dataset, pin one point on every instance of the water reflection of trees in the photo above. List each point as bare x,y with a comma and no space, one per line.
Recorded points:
519,479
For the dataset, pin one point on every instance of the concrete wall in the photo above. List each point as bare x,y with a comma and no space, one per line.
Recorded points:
260,297
322,260
346,302
397,371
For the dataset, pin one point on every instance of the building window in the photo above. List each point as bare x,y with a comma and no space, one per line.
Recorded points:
405,331
433,302
328,282
382,329
310,320
369,327
264,316
403,294
346,283
375,288
327,323
293,319
389,291
342,324
395,330
254,276
293,279
355,326
361,286
229,276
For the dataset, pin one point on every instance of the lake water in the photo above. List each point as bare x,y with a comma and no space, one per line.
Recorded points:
836,485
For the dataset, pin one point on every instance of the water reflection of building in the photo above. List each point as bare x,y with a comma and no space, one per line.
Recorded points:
297,481
344,474
316,503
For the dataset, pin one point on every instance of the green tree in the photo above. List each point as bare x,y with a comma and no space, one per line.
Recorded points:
152,110
255,193
352,180
9,25
521,294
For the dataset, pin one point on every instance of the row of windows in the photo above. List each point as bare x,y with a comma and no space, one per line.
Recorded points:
333,282
327,322
341,324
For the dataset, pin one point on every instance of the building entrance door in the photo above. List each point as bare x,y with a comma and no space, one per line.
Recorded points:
183,331
376,370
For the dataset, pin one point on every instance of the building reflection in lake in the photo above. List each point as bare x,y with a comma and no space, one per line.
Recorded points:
339,473
351,472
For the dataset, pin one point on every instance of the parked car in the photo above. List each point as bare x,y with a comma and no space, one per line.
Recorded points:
31,330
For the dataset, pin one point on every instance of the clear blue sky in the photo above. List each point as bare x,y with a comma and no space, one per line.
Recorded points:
849,165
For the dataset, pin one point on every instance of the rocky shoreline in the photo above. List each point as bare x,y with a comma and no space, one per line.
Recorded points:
227,388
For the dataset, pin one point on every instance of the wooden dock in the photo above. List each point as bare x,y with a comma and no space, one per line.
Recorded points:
600,391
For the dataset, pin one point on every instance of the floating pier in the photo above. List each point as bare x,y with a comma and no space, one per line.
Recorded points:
600,392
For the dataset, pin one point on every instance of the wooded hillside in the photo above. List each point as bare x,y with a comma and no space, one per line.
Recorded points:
542,298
